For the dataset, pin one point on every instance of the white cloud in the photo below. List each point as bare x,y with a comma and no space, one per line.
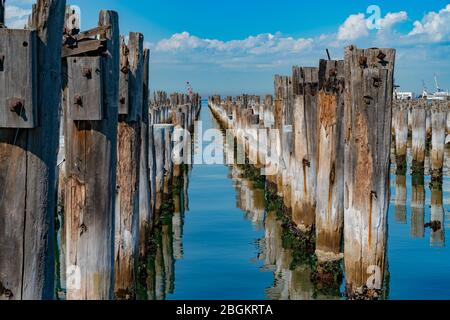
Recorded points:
17,16
254,45
393,18
354,27
434,27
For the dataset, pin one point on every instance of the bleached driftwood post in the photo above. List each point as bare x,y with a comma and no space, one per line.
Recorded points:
128,169
401,134
330,166
91,145
305,86
368,112
29,132
438,128
419,136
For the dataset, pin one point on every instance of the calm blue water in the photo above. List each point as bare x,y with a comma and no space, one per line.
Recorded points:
234,252
219,244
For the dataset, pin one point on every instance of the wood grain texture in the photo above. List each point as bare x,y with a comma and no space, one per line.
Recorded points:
145,213
330,161
91,148
84,93
31,153
129,136
305,85
368,113
18,79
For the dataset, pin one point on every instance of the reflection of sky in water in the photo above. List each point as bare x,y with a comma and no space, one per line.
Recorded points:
417,269
219,244
233,250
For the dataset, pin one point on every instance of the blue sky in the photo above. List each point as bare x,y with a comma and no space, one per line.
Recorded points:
231,47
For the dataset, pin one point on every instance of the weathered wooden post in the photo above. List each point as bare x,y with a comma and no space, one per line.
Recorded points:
419,136
330,164
91,145
29,134
160,145
305,83
145,213
401,135
128,168
438,127
417,205
368,112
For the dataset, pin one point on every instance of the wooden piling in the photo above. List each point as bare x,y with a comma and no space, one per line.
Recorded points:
368,113
419,135
145,214
330,167
128,171
28,158
438,127
401,134
305,87
91,147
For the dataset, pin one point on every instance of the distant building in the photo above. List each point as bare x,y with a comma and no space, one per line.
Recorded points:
404,95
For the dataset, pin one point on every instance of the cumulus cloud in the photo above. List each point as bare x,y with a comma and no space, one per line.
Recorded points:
254,45
393,18
434,27
354,27
17,12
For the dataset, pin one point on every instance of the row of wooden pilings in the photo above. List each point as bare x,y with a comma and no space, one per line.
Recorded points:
428,125
328,134
86,95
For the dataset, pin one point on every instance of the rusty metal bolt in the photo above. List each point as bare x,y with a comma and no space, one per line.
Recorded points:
306,163
87,73
376,82
16,106
362,61
78,100
83,229
332,72
367,99
381,56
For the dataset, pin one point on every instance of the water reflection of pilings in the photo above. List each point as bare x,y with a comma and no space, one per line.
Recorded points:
291,281
165,244
249,199
437,218
418,207
400,199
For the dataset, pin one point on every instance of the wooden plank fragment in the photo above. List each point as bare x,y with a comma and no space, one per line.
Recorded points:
18,79
84,94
